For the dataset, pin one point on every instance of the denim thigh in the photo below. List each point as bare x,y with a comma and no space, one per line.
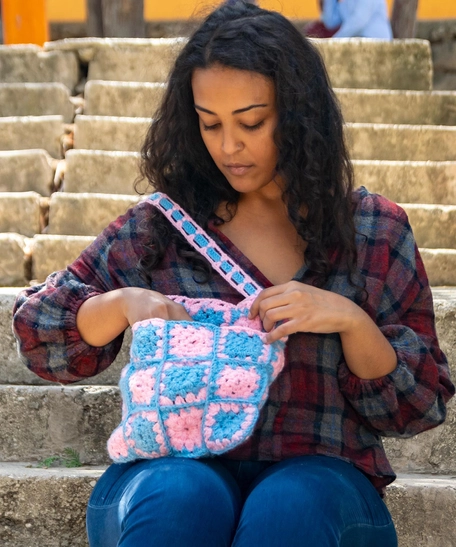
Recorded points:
167,501
314,501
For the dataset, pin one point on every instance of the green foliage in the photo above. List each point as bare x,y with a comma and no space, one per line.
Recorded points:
69,458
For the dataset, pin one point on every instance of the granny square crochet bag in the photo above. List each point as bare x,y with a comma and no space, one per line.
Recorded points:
195,388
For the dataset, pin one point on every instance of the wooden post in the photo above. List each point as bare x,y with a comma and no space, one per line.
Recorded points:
116,18
94,18
403,18
24,22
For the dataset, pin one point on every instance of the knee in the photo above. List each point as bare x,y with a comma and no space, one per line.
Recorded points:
174,482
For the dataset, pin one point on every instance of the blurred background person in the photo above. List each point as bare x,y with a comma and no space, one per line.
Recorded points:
317,29
362,18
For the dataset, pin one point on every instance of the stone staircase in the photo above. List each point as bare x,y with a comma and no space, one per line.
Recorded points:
72,118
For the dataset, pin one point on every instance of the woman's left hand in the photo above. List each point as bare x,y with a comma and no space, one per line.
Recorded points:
303,308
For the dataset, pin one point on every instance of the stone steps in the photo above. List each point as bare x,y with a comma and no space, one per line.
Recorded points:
88,213
135,99
32,99
20,212
404,64
401,181
114,172
26,170
29,63
102,171
41,420
32,516
401,142
366,141
85,214
32,132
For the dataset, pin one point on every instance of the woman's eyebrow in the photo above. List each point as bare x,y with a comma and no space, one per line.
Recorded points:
239,111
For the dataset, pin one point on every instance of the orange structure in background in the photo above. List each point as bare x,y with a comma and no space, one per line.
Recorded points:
25,21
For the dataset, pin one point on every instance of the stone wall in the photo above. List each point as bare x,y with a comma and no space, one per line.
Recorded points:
442,35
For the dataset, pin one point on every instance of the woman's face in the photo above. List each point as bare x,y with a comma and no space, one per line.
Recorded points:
237,118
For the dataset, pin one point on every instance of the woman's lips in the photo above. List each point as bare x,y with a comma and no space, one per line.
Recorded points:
238,169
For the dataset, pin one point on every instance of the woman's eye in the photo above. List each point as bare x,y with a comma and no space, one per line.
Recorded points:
253,127
210,127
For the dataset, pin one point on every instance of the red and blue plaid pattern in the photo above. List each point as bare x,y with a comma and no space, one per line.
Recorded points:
316,405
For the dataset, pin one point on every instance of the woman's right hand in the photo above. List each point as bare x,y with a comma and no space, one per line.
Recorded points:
102,318
140,304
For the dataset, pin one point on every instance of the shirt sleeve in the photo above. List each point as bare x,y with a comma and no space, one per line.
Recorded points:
44,316
413,397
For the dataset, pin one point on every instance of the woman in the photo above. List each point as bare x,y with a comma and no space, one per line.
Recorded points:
249,140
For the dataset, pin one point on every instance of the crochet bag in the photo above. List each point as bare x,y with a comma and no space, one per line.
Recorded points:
195,388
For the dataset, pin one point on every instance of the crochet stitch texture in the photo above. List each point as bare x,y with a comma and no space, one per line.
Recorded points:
194,388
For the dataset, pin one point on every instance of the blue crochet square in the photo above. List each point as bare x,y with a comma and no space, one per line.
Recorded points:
182,384
241,345
147,343
143,435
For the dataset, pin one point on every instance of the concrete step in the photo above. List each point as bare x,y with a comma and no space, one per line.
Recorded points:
102,172
432,182
50,253
134,99
398,107
30,99
46,507
401,142
41,420
85,214
434,226
26,170
440,266
110,133
366,141
88,214
28,132
423,508
12,263
406,181
29,63
404,64
20,212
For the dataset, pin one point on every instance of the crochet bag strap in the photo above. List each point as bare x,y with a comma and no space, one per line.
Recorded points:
205,245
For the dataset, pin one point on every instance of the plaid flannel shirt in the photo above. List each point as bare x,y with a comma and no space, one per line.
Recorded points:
316,405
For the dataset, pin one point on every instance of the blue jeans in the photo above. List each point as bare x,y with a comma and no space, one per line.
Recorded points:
177,502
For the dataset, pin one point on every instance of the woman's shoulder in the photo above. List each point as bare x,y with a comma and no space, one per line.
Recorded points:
368,206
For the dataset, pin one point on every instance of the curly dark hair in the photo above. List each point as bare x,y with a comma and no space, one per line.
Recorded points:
312,155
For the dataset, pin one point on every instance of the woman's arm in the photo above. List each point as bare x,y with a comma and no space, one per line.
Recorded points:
305,308
102,318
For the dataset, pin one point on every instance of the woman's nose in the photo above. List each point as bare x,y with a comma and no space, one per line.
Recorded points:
230,143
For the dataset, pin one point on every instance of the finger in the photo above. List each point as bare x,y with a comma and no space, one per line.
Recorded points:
264,294
281,331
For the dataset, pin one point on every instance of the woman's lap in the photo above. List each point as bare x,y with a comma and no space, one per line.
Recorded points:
309,500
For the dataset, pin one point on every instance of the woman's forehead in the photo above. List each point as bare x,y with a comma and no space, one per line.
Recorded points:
219,83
